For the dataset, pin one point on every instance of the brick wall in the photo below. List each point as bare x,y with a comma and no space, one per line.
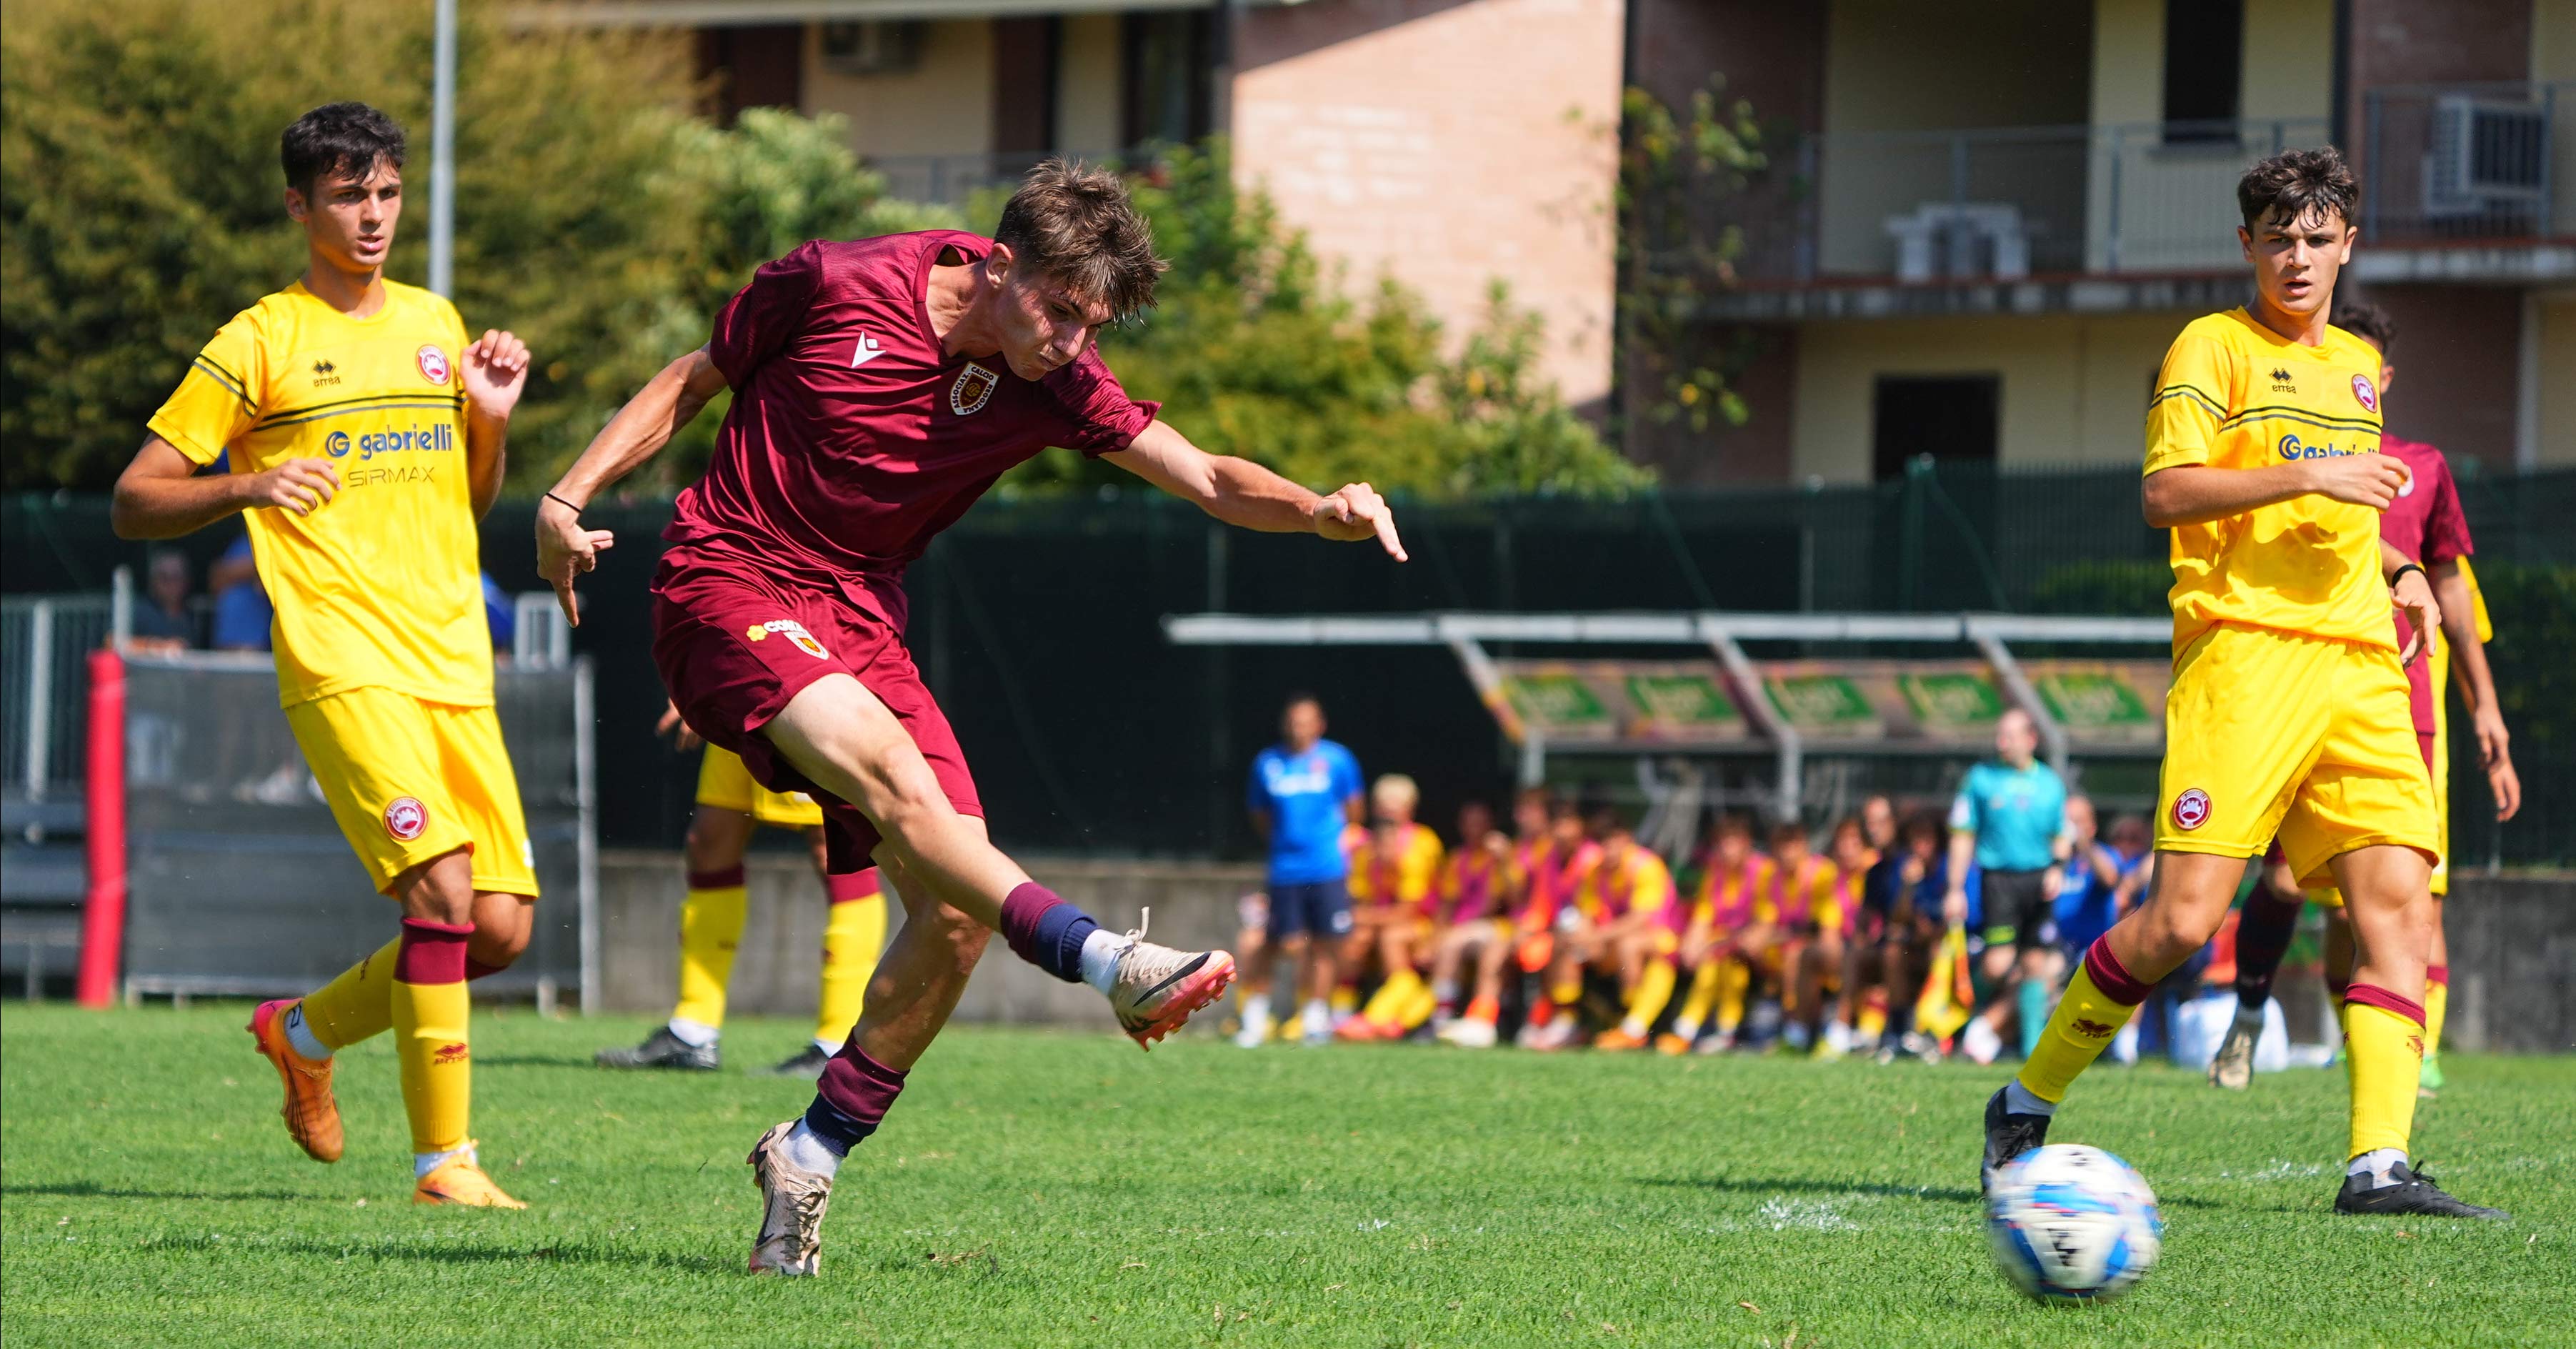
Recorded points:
1448,144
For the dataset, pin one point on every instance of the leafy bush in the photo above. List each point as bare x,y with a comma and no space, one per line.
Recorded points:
1254,352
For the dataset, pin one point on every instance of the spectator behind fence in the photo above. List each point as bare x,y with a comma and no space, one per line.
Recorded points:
1304,792
242,611
163,621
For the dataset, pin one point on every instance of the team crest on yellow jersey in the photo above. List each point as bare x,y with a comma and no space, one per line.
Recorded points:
433,364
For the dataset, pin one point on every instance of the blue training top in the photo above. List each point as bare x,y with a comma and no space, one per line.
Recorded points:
1305,796
2015,814
2083,907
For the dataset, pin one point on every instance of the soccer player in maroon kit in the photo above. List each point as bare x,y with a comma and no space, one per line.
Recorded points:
879,387
2425,524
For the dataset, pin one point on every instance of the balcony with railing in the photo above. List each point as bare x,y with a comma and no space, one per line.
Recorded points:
1915,218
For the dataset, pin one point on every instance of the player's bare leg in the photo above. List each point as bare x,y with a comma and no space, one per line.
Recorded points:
1485,942
1254,963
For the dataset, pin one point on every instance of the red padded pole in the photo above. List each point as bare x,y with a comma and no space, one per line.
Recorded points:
103,918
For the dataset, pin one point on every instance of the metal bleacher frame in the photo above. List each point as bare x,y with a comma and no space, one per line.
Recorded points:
1721,634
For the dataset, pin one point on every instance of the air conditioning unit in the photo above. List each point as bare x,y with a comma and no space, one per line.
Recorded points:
2483,156
873,46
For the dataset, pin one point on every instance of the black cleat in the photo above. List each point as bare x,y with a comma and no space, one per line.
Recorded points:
2007,1136
662,1049
2407,1192
806,1063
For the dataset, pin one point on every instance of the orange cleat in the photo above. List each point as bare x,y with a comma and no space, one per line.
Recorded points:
1356,1030
460,1181
1615,1040
1671,1046
312,1116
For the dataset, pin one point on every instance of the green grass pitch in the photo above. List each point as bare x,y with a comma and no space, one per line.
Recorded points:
1037,1188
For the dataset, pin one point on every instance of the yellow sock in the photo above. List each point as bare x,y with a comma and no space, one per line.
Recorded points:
1391,996
358,1004
1418,1005
2437,1003
430,1007
1700,1001
2084,1022
2386,1050
1345,998
1654,989
1733,981
1873,1020
710,931
852,941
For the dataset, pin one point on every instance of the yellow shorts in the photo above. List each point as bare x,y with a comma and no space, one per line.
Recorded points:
2310,739
410,780
726,785
2439,660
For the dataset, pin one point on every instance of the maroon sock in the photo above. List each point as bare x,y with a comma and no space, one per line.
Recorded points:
849,886
852,1097
1045,931
2113,978
431,953
475,969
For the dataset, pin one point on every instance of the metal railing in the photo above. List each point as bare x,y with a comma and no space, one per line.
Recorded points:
2005,203
45,641
2469,161
953,180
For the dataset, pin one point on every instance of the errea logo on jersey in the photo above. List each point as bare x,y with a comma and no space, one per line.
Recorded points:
2293,448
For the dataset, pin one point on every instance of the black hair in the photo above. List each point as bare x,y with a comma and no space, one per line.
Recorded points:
2369,322
338,138
1301,697
2296,184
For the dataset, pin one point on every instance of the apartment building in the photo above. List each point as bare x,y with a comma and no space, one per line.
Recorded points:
1448,144
1982,224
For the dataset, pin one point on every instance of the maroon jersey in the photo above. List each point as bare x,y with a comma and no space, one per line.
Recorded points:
2425,524
853,438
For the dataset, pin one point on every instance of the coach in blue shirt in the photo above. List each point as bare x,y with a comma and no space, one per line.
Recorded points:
1304,792
2007,820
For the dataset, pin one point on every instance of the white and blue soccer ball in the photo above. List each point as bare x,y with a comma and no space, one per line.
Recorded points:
2071,1223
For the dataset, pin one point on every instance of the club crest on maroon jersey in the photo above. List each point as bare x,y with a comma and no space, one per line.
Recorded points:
973,389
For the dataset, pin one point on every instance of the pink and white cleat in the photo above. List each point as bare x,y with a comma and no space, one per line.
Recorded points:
1155,988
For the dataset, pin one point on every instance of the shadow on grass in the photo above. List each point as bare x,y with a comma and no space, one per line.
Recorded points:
553,1061
90,1189
447,1252
1781,1185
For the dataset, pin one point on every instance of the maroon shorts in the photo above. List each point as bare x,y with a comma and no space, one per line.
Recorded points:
734,644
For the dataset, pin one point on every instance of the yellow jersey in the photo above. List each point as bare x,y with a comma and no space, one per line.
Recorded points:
380,588
2235,394
1404,873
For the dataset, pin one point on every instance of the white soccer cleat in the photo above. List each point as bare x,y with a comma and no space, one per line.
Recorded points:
792,1201
2232,1066
1256,1032
1469,1033
1155,988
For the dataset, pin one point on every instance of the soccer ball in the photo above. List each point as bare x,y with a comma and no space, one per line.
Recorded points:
2073,1224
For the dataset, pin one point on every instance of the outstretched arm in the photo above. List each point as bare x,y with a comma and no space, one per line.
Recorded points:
640,429
1241,492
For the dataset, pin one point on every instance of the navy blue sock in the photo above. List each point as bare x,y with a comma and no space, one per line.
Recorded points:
839,1132
1062,930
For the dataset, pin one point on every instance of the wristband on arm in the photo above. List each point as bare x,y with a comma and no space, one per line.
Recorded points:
576,510
2400,574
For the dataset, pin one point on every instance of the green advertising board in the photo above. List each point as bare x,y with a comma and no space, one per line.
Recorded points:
1682,703
1557,702
1957,702
1820,701
2103,702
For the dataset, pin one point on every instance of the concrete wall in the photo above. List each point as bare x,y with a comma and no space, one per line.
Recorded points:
2017,64
776,968
2513,963
2555,330
2074,387
944,106
1448,144
1089,71
2513,945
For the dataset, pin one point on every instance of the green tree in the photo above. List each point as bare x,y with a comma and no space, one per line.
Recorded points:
1676,169
141,206
1253,352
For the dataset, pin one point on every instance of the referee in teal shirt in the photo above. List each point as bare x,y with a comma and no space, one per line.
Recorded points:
2007,819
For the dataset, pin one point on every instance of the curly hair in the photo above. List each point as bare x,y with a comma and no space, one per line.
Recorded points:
2297,184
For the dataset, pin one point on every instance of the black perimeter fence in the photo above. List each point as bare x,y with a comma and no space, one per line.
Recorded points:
1037,624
